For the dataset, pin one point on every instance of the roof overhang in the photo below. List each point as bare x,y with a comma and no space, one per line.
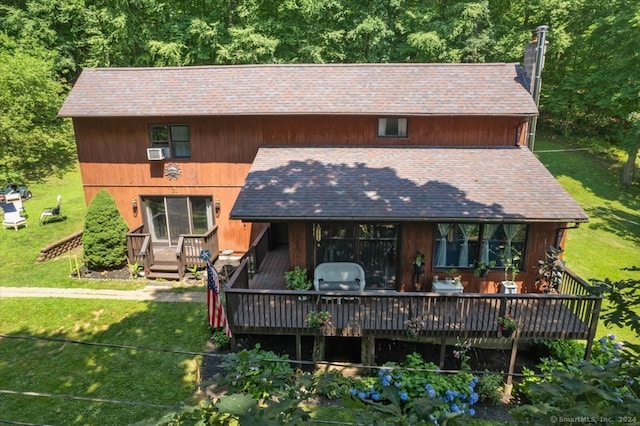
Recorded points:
486,184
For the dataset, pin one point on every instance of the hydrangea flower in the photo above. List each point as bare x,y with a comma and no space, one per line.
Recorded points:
375,396
431,393
455,408
612,337
362,395
403,396
354,391
471,412
473,398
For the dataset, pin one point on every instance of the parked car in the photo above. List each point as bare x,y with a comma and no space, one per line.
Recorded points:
11,188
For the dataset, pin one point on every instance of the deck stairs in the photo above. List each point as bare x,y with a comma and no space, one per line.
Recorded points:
164,270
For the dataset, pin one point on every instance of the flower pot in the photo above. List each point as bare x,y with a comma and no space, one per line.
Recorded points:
506,333
418,286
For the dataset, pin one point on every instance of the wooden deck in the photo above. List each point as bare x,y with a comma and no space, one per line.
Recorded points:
263,305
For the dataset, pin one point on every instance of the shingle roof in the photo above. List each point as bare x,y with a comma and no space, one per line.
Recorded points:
403,183
366,89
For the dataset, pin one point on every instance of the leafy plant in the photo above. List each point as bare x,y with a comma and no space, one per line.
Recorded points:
460,352
257,372
482,268
507,322
220,338
550,271
195,272
331,384
413,326
297,279
104,239
134,270
318,319
510,259
418,394
490,387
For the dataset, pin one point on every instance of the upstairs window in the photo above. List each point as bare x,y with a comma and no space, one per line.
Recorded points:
392,127
174,137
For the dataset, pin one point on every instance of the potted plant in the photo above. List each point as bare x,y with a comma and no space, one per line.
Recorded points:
450,275
550,271
318,319
482,269
511,267
508,325
297,280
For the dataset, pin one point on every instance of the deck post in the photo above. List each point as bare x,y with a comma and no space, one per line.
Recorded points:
368,350
512,365
298,348
318,348
443,347
595,314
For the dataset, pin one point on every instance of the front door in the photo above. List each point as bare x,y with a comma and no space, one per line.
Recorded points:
169,217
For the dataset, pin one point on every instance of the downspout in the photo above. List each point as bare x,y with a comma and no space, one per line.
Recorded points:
536,79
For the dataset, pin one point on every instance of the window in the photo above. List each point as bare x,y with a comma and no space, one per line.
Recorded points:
173,137
170,217
392,127
460,244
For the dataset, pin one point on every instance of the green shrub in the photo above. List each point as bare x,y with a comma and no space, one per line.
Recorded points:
332,384
490,388
104,239
256,372
220,338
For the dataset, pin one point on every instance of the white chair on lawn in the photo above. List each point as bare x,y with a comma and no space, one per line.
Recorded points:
50,212
14,220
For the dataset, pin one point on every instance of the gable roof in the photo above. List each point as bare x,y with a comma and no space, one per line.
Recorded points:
362,89
403,183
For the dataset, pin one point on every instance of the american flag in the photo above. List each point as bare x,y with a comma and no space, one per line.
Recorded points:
215,310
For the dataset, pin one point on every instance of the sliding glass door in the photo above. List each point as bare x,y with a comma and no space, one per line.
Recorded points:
169,217
372,245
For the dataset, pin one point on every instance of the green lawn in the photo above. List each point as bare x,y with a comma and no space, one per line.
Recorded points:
138,376
23,247
609,245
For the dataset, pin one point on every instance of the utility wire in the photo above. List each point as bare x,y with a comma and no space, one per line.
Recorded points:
277,360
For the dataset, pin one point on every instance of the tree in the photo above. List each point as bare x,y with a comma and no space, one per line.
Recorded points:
104,239
34,142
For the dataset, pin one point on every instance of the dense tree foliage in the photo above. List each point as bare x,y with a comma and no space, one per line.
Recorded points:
33,142
591,79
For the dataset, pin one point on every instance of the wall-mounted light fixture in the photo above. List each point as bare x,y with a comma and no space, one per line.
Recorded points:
134,207
216,207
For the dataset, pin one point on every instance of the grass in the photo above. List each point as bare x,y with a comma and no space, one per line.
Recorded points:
23,247
140,376
609,245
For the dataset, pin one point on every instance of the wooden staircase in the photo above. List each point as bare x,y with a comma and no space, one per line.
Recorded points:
164,270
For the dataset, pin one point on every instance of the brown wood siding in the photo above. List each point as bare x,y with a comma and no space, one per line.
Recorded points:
112,154
415,236
299,237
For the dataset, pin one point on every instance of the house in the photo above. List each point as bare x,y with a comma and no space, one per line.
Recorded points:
367,163
362,162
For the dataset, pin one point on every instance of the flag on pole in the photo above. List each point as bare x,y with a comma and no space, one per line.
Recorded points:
215,311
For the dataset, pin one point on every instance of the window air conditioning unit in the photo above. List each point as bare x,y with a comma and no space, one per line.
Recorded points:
157,153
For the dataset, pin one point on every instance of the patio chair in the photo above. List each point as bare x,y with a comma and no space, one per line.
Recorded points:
50,212
13,219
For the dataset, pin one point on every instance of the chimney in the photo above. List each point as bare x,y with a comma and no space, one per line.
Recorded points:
533,64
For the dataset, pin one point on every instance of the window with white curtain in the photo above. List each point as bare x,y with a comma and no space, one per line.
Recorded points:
458,245
392,127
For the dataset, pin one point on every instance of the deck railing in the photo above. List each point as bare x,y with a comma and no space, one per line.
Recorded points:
140,247
190,245
383,314
258,251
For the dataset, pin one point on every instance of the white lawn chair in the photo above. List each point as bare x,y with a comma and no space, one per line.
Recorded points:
50,212
13,220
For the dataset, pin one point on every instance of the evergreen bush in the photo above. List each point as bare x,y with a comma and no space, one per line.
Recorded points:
104,239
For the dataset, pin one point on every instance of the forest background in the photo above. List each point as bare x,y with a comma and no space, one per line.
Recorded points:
591,79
